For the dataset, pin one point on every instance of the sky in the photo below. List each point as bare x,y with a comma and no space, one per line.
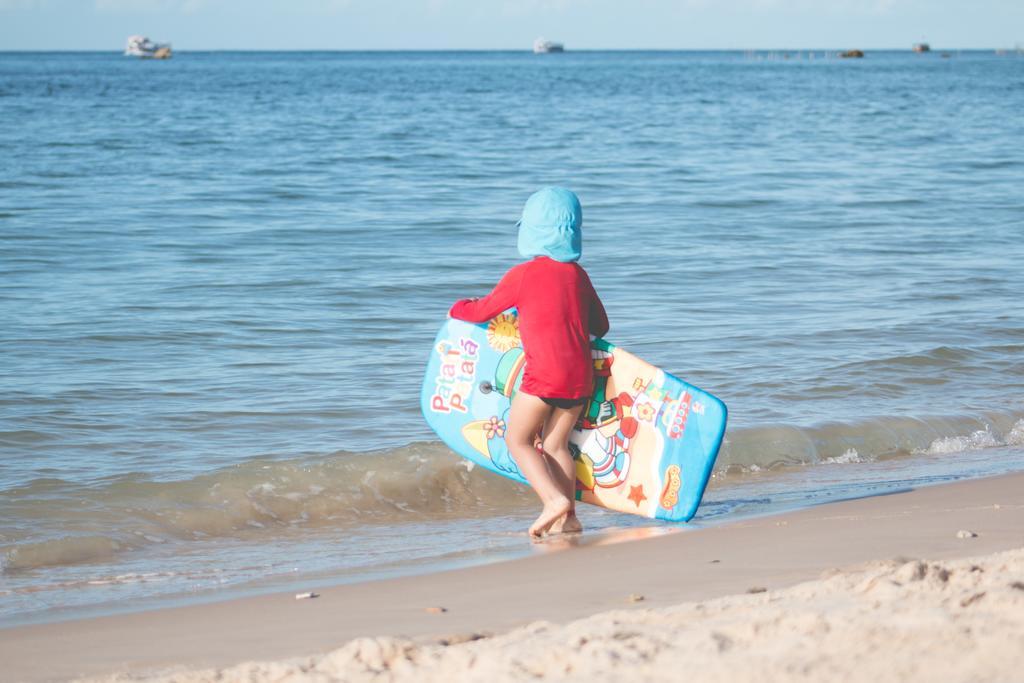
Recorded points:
511,24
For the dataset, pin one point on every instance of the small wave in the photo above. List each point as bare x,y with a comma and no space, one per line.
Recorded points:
413,483
1016,435
59,551
941,357
895,202
773,446
258,499
982,438
993,164
107,580
23,436
748,203
849,457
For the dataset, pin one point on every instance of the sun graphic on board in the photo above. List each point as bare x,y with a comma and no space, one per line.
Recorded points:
503,332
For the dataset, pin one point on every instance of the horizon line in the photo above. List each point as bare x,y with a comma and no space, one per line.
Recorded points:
1017,46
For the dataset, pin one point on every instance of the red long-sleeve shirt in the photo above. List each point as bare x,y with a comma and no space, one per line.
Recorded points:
558,311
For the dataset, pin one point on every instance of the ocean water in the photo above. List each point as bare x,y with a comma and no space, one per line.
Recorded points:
220,276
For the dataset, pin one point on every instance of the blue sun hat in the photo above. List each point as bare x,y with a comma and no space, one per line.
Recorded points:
552,225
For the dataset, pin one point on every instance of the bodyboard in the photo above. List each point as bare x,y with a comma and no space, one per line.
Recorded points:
646,440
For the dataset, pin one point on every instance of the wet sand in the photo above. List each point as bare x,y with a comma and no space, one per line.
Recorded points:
915,621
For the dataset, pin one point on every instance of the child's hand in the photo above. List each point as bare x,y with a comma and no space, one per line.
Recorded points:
469,300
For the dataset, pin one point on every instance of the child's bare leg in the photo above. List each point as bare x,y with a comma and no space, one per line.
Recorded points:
526,418
556,447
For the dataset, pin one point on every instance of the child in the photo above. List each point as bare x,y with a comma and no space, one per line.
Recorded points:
558,311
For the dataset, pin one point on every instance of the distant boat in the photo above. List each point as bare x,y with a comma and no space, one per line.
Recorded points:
852,54
144,48
922,47
541,46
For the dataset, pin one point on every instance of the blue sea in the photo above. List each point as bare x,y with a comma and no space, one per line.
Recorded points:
220,276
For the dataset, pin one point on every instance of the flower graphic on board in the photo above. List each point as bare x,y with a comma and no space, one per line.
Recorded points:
495,428
503,332
645,412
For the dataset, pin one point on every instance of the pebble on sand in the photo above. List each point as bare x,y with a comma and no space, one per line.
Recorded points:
435,610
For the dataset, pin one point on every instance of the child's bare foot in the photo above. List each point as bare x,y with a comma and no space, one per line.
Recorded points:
552,512
570,524
567,524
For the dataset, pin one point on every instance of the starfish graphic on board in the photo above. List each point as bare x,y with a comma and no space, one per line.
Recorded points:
636,494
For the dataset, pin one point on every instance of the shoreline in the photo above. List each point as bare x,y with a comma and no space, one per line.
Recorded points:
770,553
321,560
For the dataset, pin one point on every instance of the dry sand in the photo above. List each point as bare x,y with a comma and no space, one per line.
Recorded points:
890,621
946,619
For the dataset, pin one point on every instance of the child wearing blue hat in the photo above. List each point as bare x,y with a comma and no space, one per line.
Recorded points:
558,311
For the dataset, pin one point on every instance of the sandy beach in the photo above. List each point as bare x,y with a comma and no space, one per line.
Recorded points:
879,588
893,620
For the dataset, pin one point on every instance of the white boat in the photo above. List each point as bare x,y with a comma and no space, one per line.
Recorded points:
541,46
144,48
